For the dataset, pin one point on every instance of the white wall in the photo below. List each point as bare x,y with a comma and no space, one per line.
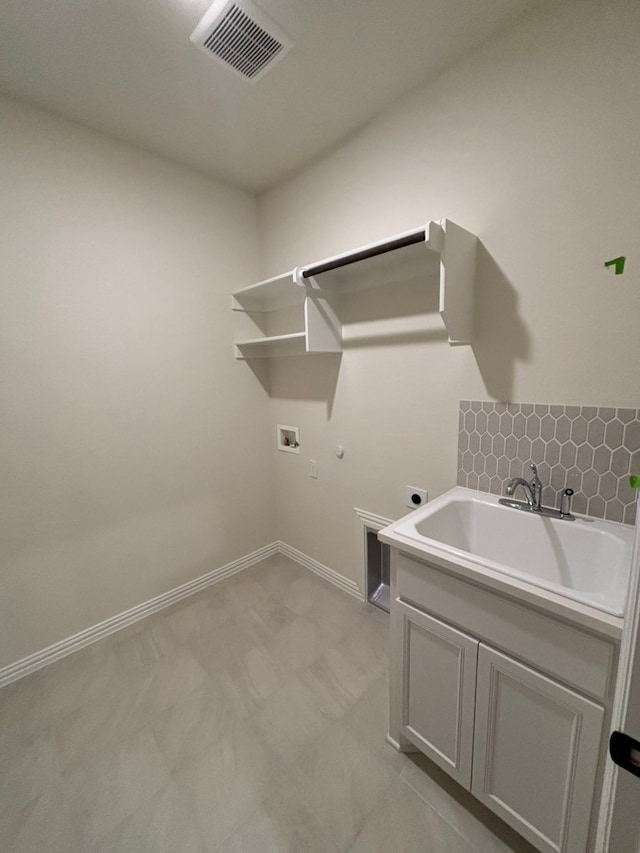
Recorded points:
134,447
532,144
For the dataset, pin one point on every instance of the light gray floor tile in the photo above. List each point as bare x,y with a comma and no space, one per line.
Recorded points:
401,822
276,575
20,709
502,840
302,593
146,647
332,701
368,717
244,590
45,825
163,824
290,721
339,781
244,702
375,626
104,791
227,783
254,677
27,769
196,722
280,825
99,725
368,721
480,827
335,612
222,645
379,616
170,680
299,643
346,670
191,619
75,680
263,619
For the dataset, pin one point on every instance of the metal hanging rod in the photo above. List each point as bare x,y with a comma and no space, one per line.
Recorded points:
363,254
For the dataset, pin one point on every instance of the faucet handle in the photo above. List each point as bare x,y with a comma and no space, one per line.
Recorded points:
565,502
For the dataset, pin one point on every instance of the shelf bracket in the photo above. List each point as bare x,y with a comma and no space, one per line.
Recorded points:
308,283
434,235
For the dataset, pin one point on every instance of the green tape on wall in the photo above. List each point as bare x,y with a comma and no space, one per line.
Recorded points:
618,263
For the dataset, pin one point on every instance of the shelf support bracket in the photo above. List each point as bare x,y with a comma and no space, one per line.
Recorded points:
308,283
434,235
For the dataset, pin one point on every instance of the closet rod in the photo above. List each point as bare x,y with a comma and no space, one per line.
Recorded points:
363,254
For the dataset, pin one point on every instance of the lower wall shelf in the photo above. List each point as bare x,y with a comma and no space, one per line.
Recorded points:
322,333
293,344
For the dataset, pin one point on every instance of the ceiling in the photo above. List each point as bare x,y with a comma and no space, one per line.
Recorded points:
127,67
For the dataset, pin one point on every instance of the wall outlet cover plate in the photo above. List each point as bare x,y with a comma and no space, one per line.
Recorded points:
415,497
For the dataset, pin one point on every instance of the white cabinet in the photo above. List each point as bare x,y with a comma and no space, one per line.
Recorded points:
440,248
535,752
524,741
439,677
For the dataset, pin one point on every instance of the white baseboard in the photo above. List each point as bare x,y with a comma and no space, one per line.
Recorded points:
317,568
38,660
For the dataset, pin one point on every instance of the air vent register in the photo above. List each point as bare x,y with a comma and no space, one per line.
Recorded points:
243,37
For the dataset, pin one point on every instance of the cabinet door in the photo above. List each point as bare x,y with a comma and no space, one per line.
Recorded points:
438,665
536,751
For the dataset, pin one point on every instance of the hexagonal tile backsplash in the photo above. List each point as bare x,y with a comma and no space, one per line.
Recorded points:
587,448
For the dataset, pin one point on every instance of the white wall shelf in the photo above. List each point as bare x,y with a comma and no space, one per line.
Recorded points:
439,248
269,295
267,347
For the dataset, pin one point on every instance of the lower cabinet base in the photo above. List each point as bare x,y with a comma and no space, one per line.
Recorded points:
535,754
524,744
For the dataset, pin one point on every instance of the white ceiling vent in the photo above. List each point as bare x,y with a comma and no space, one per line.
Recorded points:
242,36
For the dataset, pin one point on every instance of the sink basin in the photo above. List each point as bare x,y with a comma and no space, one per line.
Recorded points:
587,560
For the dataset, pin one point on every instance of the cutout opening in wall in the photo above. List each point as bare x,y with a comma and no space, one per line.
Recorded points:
288,438
374,559
378,562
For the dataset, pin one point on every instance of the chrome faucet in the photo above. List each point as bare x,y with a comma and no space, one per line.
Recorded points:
532,490
513,484
533,493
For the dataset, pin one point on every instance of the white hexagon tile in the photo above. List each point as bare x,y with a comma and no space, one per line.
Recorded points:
590,449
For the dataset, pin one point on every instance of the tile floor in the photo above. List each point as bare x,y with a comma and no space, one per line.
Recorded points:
247,719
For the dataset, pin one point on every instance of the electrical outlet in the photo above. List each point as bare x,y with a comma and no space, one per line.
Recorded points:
415,497
313,469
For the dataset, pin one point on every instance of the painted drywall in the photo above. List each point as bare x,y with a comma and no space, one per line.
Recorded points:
134,446
532,144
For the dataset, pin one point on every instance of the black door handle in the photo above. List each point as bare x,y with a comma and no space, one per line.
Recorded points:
625,751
